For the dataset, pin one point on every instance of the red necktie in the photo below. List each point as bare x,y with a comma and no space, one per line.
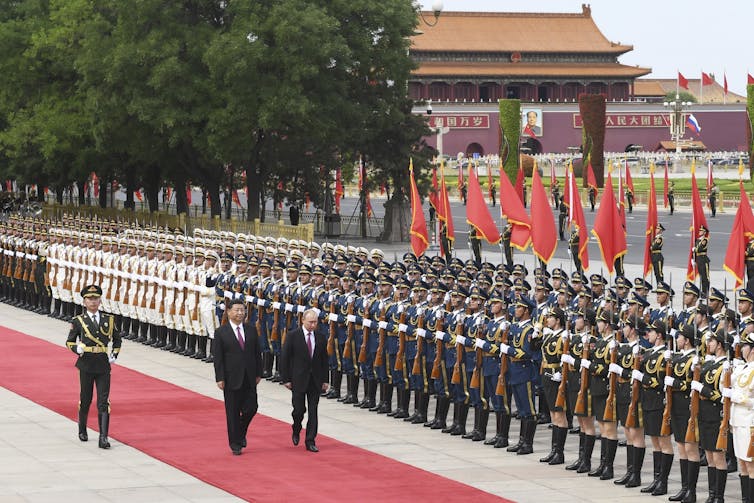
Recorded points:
240,337
309,344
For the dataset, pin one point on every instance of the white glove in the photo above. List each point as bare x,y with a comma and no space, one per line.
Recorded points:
726,365
709,357
611,345
300,309
367,322
504,348
737,362
227,294
289,308
330,298
112,358
557,377
332,317
635,350
637,375
615,369
316,310
726,392
570,360
736,340
479,343
249,299
80,348
440,335
402,327
460,339
673,331
400,308
695,360
351,318
584,339
668,354
696,386
421,333
276,305
585,364
564,335
669,381
382,325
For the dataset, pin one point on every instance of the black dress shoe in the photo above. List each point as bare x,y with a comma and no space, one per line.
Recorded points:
243,443
103,443
311,448
295,437
236,451
84,436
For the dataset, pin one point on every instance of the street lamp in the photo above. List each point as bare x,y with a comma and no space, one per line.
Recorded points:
677,124
437,7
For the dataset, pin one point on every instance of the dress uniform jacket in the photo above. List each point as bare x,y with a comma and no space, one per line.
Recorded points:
95,338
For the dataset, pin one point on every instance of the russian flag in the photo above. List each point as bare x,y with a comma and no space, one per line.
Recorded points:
693,124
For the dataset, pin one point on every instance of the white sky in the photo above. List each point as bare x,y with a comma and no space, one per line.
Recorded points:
668,36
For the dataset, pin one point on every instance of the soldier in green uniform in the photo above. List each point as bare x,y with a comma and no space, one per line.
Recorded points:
91,333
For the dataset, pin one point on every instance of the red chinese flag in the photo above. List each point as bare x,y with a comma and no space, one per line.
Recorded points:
544,239
460,176
307,201
697,220
434,195
608,227
477,213
338,189
683,81
419,236
520,181
651,229
749,79
591,180
707,80
513,210
169,194
137,193
577,218
95,184
735,255
725,84
444,214
666,186
362,186
629,180
234,196
188,194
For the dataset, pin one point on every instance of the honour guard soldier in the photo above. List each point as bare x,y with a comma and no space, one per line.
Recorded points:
664,311
395,362
361,309
688,313
750,263
742,413
454,325
522,372
701,259
89,337
717,303
345,331
473,326
417,370
573,250
435,323
553,346
658,260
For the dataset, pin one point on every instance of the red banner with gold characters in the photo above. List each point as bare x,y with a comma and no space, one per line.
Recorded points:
629,120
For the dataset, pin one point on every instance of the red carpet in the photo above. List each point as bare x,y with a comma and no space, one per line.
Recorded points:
187,430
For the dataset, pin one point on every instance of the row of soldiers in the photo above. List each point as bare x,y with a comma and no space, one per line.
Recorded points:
474,337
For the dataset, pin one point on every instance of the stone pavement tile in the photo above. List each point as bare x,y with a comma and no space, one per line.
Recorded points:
132,494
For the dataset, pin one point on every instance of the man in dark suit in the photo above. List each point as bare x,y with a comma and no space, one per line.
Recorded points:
304,371
90,334
238,370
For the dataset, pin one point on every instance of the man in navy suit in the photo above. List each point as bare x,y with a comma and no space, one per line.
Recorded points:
238,370
304,371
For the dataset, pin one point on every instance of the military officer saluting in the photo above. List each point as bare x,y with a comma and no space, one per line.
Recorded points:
91,333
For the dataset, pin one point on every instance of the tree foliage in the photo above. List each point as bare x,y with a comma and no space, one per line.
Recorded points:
276,93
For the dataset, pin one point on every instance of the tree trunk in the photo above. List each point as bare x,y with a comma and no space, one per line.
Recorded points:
130,188
152,188
104,183
82,193
213,188
397,220
181,201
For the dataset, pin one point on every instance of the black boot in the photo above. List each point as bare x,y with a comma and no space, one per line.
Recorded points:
438,405
421,415
337,382
527,447
711,484
463,414
692,478
665,465
143,328
104,427
505,426
484,417
730,455
370,395
575,464
629,466
475,431
612,448
404,398
83,435
493,440
172,340
379,405
603,453
211,358
441,420
586,464
454,425
151,335
722,479
744,480
201,350
349,398
657,463
515,447
553,442
559,457
190,346
180,342
387,404
635,480
417,405
680,495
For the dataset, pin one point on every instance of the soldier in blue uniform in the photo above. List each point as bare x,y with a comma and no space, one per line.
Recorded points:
522,372
717,303
395,363
454,326
664,310
361,310
435,324
473,326
334,349
377,314
349,356
688,312
415,320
